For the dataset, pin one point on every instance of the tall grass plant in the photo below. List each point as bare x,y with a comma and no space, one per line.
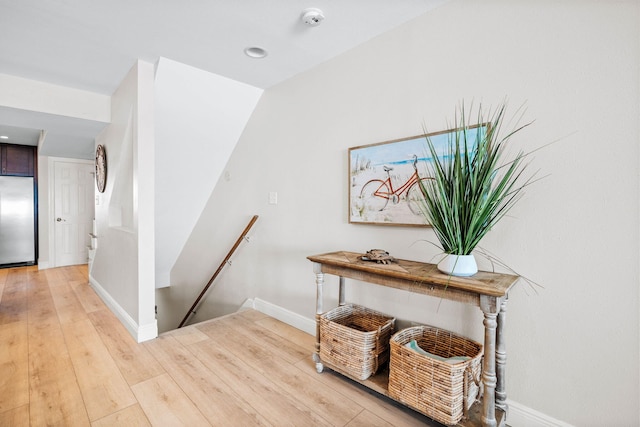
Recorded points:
473,185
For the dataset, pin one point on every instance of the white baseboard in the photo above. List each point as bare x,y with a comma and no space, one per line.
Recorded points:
519,415
139,333
43,265
523,416
282,314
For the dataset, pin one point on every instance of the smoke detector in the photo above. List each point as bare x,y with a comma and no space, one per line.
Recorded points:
312,17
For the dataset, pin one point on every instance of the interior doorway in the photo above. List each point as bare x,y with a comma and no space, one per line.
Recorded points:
73,211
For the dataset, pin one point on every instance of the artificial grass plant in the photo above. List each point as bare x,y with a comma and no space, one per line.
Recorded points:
471,186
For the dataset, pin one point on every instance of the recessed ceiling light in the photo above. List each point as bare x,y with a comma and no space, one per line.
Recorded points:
255,52
4,137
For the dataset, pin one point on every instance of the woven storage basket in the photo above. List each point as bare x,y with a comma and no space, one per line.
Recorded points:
440,390
355,339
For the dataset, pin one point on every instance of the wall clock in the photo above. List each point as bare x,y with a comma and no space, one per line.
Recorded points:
101,168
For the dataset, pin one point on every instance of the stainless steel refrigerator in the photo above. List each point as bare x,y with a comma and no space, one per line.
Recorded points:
17,222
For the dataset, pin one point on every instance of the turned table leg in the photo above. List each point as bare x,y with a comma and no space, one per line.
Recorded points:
489,306
501,358
317,269
341,292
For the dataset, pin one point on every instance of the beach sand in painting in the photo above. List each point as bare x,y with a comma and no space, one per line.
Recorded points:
393,213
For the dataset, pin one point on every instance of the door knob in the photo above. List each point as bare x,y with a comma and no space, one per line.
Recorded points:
58,219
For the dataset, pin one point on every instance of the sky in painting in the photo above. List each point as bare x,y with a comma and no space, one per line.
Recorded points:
403,151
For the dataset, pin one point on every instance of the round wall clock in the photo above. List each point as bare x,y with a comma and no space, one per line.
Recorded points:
101,168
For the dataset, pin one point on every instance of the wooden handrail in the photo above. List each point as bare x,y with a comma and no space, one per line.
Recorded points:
222,264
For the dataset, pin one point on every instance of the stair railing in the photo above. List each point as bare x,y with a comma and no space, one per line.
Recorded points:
222,264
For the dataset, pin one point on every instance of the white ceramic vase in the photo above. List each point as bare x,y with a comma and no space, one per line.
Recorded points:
458,265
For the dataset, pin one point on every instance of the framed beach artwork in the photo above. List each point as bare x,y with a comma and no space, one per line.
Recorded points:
384,178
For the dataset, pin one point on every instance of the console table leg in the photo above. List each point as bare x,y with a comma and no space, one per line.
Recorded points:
490,310
317,269
501,358
341,292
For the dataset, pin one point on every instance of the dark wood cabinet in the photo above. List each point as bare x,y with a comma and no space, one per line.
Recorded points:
17,160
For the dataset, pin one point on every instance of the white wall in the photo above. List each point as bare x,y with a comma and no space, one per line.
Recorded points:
572,346
41,97
199,118
71,117
44,218
123,268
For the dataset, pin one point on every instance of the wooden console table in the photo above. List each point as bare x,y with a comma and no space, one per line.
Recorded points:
489,291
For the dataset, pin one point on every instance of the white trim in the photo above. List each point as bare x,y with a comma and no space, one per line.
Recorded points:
50,213
523,416
139,333
43,265
147,332
289,317
519,415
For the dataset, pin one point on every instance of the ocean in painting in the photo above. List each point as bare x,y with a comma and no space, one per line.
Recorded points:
402,152
367,163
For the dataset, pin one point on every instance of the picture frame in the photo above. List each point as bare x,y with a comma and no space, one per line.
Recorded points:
383,178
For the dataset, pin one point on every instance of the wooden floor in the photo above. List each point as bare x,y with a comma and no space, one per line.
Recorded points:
65,360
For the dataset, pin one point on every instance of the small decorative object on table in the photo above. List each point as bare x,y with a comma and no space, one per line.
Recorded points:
379,256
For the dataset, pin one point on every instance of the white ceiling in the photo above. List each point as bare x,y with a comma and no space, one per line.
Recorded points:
92,44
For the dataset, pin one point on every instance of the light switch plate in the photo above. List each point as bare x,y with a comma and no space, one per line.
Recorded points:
273,198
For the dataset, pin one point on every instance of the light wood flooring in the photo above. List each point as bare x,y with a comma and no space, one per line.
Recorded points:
65,360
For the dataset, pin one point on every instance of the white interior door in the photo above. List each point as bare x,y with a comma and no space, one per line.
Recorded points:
73,211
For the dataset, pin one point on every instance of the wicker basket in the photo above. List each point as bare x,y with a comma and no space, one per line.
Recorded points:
442,391
355,339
